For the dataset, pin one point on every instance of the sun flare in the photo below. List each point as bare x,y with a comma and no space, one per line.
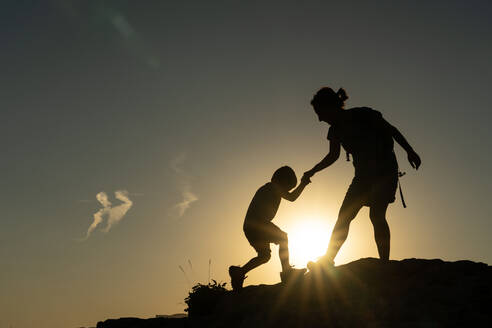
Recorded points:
308,240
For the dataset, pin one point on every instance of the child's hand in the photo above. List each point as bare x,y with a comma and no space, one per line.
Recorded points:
305,179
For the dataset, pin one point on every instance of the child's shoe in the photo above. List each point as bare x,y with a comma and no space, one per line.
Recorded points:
291,274
237,277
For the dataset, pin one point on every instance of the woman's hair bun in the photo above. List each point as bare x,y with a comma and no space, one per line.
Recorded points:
342,94
326,95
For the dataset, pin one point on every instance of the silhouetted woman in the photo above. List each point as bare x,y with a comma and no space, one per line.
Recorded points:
368,137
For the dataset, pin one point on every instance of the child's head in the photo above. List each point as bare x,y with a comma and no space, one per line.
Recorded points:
285,177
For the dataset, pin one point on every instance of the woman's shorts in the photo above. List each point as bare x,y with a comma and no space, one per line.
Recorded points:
369,191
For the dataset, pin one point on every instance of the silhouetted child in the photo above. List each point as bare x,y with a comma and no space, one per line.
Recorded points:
259,229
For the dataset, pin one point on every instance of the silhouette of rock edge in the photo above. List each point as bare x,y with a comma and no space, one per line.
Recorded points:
363,293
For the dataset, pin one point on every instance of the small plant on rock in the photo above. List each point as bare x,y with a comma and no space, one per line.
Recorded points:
202,299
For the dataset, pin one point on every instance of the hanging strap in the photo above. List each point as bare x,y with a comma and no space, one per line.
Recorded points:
400,174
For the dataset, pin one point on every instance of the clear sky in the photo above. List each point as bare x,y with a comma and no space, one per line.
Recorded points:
201,101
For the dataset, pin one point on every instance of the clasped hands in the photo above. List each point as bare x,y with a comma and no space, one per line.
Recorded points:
306,177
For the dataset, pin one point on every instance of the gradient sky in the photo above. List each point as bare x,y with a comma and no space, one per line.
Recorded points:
208,98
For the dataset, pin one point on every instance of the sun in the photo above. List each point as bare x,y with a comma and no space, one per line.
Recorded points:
308,240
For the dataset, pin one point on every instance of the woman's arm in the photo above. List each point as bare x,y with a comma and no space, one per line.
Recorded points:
413,158
328,160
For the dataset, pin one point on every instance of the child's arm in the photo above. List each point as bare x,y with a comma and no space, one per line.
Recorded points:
292,196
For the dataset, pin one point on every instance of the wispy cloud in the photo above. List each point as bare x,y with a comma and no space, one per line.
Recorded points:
184,185
114,214
132,40
78,13
188,198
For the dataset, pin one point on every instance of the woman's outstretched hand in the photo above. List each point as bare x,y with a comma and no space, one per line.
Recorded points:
414,159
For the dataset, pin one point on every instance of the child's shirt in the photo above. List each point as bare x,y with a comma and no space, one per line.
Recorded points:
264,204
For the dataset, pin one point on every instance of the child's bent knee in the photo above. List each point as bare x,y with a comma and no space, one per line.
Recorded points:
264,256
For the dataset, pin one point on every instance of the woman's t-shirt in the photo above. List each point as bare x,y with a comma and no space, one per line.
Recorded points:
366,135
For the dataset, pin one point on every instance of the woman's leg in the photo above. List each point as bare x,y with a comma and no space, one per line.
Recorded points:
348,211
377,213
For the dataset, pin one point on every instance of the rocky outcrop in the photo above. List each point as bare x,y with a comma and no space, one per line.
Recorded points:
364,293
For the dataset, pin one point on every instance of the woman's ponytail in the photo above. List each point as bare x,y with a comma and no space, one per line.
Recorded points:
342,94
328,96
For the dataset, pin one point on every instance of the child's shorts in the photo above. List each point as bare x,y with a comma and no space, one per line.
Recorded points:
260,235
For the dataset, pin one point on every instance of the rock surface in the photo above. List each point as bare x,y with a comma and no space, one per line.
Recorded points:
364,293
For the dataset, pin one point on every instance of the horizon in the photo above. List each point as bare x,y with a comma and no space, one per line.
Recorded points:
137,135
